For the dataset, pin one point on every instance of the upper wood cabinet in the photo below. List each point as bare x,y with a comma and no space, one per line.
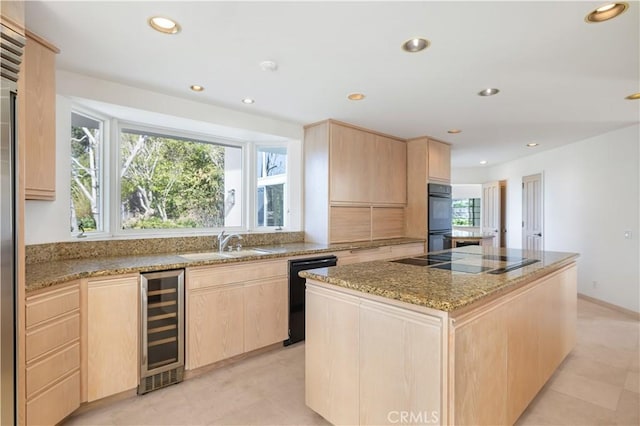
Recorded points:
37,119
349,172
390,170
428,160
439,161
351,154
365,167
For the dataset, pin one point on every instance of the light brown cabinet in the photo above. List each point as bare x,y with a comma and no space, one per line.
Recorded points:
351,154
36,112
514,345
266,310
233,309
112,335
380,253
52,354
439,161
428,160
390,171
349,172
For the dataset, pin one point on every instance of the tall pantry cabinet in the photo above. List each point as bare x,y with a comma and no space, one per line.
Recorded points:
355,184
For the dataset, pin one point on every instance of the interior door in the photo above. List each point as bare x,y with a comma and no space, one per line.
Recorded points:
491,205
532,212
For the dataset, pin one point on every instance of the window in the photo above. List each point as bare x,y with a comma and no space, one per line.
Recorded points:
86,174
466,212
132,178
169,181
271,186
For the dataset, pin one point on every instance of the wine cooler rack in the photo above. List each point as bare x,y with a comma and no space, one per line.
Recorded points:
161,329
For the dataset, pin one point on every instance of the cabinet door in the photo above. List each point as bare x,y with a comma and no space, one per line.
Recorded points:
349,224
112,336
400,364
387,222
266,310
480,370
390,171
332,356
351,160
439,161
215,325
37,108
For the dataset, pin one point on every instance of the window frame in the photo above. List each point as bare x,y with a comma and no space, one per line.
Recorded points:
104,183
256,146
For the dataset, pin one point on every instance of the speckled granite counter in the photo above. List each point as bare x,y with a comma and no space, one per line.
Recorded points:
443,289
47,274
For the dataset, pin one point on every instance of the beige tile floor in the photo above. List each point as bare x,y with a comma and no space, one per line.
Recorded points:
596,385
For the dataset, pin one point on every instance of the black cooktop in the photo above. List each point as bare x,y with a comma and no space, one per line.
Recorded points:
502,258
444,257
418,261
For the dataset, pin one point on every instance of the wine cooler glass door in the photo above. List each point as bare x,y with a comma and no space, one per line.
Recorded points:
162,337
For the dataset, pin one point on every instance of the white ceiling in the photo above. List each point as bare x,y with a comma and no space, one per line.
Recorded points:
561,79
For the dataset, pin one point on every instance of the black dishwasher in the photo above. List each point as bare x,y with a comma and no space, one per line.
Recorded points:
296,293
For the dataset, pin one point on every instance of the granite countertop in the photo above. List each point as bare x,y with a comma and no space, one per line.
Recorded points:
457,233
440,289
47,274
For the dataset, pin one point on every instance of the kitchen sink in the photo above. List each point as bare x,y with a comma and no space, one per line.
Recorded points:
212,255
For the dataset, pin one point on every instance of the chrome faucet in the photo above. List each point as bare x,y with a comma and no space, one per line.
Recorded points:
223,240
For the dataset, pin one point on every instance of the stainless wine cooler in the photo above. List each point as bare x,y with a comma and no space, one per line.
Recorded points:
161,329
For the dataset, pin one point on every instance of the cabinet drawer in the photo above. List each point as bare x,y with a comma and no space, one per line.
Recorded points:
221,275
52,304
52,335
52,368
56,403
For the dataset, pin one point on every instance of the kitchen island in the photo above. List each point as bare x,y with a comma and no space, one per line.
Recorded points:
464,336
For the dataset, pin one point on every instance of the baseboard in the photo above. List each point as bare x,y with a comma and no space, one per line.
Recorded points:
635,315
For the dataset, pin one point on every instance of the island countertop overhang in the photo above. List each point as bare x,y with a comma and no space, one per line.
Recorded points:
444,290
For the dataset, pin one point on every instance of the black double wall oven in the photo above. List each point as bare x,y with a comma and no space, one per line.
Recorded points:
439,216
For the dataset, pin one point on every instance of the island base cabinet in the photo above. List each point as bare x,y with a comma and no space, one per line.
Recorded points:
371,363
400,366
503,353
331,356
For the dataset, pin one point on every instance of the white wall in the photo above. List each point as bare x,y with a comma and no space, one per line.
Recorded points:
48,221
461,191
591,197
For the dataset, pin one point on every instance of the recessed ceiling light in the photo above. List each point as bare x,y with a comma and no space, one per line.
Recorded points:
248,101
355,96
268,66
483,162
454,131
532,144
415,45
488,92
634,96
164,25
196,88
606,12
